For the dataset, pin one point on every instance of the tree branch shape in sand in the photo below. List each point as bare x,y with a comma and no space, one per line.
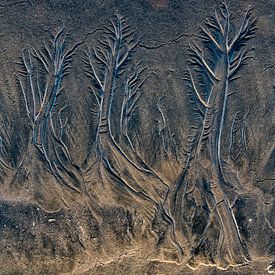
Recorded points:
124,174
131,94
206,174
169,147
40,81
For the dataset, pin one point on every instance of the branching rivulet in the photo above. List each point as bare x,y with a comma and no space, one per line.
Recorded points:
131,95
168,145
212,69
128,176
238,137
40,81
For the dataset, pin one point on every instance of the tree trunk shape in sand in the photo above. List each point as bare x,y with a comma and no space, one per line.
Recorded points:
122,168
209,97
40,81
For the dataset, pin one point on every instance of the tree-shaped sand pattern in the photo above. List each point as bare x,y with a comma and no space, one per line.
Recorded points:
41,83
115,168
207,179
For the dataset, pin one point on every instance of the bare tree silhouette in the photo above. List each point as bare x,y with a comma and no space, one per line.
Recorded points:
207,179
114,163
41,83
